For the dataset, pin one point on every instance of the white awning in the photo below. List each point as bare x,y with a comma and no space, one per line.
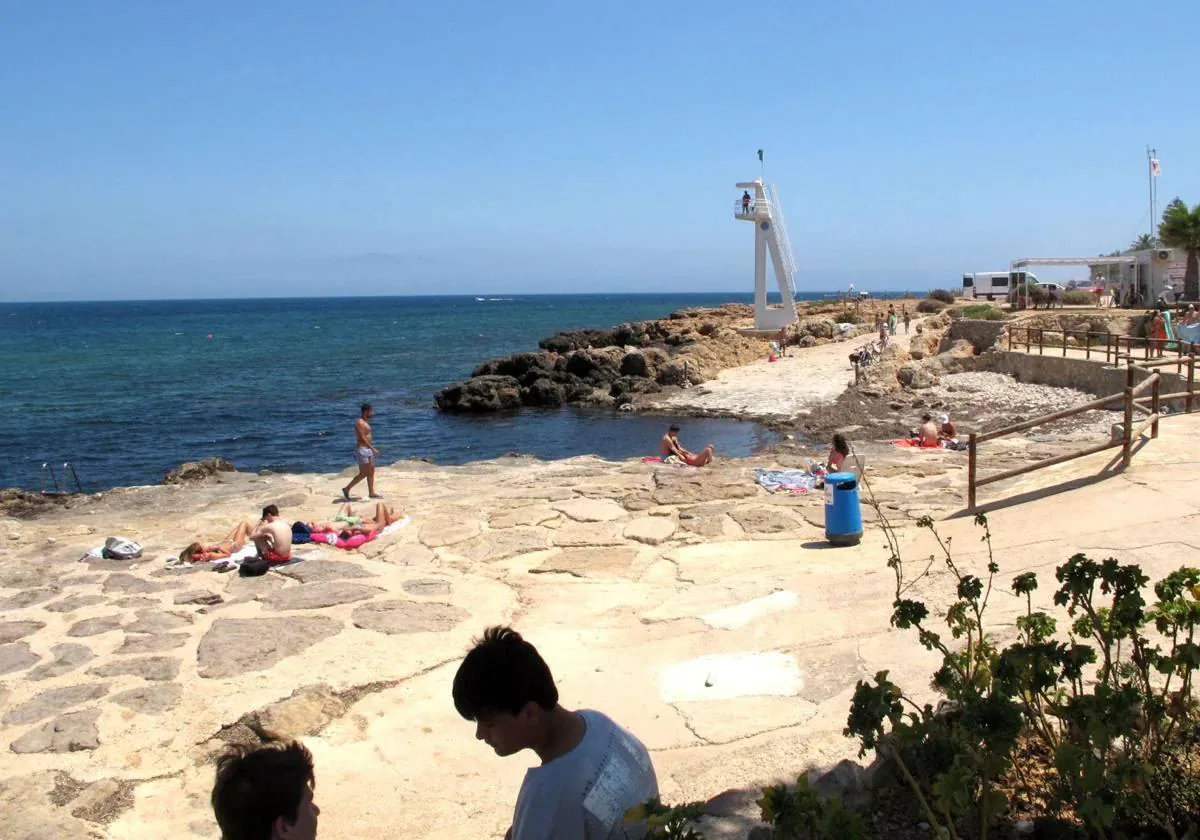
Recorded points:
1125,260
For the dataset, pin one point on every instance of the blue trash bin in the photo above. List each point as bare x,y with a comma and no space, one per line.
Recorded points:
843,517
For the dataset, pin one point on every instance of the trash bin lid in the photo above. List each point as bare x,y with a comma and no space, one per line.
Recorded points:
839,477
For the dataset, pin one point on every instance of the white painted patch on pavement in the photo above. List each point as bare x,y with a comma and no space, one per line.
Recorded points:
728,676
739,615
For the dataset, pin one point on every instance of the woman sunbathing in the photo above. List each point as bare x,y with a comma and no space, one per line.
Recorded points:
342,527
199,552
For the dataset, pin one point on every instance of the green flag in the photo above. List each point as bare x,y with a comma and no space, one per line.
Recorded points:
760,160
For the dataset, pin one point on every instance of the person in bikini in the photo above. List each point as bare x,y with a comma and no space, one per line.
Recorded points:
199,552
364,453
347,523
273,537
670,445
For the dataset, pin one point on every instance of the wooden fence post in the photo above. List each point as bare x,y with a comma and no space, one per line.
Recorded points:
1127,440
1154,405
1065,333
1041,341
1129,373
1087,344
1191,377
971,464
1010,332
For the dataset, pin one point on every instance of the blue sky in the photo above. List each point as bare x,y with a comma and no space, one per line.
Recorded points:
185,149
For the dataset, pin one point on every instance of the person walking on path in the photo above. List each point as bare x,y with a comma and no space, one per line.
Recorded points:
907,320
364,453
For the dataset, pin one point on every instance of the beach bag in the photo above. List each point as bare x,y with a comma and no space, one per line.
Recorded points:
119,548
254,567
301,533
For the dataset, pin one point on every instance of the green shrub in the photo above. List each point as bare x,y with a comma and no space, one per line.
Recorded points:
944,295
799,813
929,305
1078,297
849,317
979,312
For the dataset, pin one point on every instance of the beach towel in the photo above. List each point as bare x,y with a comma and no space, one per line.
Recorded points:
669,461
795,482
913,443
350,543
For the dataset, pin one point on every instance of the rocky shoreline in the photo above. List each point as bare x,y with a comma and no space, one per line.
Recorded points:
623,365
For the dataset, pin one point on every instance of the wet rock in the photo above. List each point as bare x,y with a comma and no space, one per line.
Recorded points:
590,562
427,587
402,617
315,596
198,470
53,702
761,520
127,584
149,699
480,395
152,642
17,657
545,393
153,668
650,530
235,646
325,570
306,712
10,631
28,598
520,366
67,657
72,732
590,510
152,621
74,602
198,597
95,626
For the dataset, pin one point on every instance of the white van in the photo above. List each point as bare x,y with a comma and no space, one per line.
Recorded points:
993,284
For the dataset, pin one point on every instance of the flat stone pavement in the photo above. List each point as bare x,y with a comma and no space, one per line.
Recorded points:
705,615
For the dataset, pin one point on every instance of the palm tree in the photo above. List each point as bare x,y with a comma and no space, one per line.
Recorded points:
1143,243
1180,229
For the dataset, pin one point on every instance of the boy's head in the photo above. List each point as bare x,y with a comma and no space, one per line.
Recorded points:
673,431
365,410
266,793
506,688
270,511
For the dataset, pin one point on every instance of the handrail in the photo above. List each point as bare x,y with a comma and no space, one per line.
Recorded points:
759,208
1128,398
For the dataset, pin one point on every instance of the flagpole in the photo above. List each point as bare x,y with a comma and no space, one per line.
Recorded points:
1150,155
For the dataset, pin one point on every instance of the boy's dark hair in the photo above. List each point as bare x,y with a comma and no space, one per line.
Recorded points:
925,418
364,408
257,785
674,428
502,673
270,510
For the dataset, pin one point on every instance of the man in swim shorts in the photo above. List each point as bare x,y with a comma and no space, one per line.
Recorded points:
364,453
273,537
670,445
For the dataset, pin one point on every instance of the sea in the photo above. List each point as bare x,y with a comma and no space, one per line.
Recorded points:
125,391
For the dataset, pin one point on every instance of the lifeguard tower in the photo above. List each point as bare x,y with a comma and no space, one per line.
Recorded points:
759,203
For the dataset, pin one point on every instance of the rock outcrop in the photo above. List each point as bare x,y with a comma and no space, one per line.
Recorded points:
613,367
198,470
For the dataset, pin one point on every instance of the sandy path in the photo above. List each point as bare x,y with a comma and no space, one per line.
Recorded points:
807,377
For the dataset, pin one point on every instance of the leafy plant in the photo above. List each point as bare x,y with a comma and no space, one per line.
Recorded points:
663,822
980,312
1078,297
944,295
930,305
799,813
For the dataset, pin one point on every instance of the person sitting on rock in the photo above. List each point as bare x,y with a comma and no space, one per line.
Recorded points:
946,430
839,451
670,445
592,771
927,435
265,792
199,552
273,537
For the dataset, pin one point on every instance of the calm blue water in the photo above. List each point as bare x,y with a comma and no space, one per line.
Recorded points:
128,390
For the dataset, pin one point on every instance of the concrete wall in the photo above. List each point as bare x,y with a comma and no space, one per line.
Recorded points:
981,334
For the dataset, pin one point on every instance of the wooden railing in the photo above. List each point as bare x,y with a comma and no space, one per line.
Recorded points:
1132,399
1111,345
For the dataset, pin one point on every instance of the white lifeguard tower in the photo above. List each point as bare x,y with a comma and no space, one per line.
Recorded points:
759,203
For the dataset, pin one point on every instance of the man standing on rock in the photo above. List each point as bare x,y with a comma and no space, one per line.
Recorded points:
364,453
592,770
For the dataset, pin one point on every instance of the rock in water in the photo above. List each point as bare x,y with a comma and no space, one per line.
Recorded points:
480,394
235,646
198,470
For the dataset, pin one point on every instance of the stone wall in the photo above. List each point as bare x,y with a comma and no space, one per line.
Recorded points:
983,335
